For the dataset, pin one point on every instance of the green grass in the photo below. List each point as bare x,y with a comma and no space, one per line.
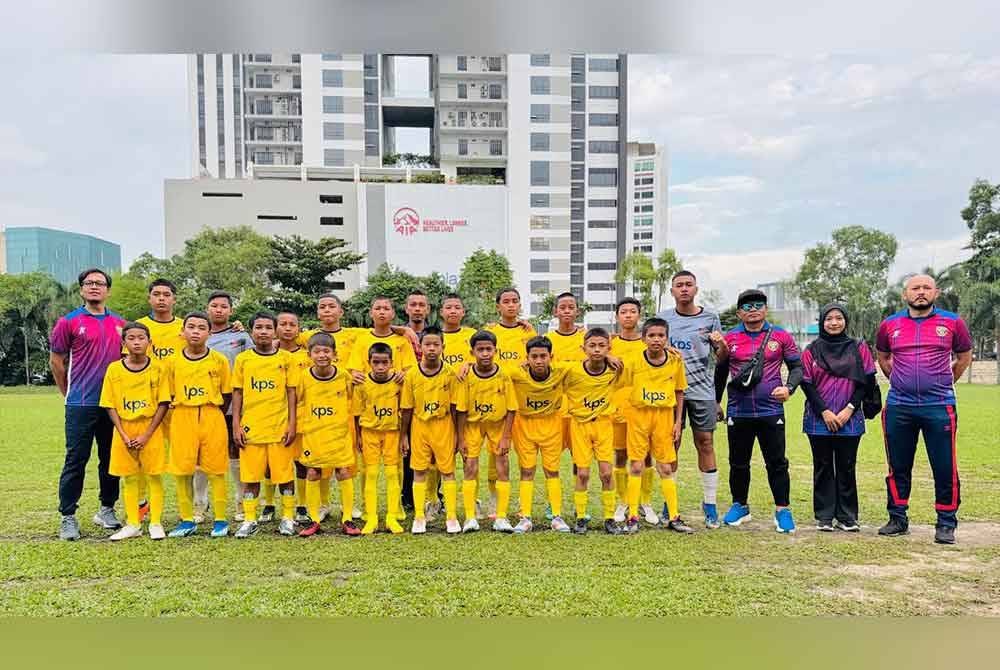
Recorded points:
734,572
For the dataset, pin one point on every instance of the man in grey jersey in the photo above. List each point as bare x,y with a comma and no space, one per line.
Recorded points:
697,334
229,342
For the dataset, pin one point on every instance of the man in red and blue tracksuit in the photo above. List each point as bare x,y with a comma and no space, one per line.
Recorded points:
922,350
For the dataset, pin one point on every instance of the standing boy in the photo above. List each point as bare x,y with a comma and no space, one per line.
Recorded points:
288,335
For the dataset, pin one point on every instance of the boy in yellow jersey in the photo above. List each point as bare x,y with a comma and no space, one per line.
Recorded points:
375,406
137,397
264,382
324,427
201,385
428,429
624,345
288,331
653,412
403,356
456,336
538,428
589,388
486,407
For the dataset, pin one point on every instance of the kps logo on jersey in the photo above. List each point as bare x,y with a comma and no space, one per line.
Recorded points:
261,384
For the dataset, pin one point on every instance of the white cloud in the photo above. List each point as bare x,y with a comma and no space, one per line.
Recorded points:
731,183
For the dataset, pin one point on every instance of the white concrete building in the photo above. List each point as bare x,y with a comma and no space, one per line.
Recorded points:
648,206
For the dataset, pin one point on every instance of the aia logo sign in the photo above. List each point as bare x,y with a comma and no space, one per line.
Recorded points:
406,221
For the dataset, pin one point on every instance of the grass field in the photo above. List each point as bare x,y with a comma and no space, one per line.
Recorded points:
724,572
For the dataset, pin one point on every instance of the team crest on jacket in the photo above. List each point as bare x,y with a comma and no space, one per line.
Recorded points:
772,345
941,331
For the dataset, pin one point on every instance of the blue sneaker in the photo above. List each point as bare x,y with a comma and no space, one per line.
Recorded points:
783,522
736,515
183,529
711,515
220,529
548,512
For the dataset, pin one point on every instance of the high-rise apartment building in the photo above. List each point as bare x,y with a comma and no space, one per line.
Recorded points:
648,222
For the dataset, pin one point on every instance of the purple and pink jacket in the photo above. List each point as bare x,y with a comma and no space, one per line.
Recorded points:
835,393
781,348
93,342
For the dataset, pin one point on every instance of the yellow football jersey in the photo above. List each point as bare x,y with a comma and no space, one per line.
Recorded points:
323,405
429,396
457,348
539,398
376,404
344,338
567,347
654,385
588,395
486,398
301,358
625,349
199,381
165,336
403,356
264,380
134,394
510,344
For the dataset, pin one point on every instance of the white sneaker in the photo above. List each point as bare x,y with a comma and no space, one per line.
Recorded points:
356,513
156,532
502,525
471,526
238,516
324,512
127,532
419,526
453,526
648,515
523,526
286,527
559,525
621,511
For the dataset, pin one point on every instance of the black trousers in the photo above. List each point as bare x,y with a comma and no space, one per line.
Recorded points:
769,432
84,426
835,487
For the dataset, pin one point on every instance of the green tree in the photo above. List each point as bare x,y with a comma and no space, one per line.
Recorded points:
129,294
637,269
728,318
396,285
31,304
482,275
853,269
980,290
548,302
300,270
667,265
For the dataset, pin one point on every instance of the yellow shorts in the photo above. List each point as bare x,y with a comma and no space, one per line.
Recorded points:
436,438
621,435
150,460
321,450
651,431
478,431
533,434
380,445
199,438
593,440
256,460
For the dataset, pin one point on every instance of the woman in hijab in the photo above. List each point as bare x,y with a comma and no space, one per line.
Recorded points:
837,371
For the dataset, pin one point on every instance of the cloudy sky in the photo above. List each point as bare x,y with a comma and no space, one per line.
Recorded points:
767,154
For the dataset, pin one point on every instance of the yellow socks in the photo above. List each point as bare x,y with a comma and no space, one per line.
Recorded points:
267,492
525,491
346,499
156,500
313,497
646,492
218,484
185,497
450,489
608,503
419,498
324,491
553,489
668,485
580,504
621,483
393,485
469,498
634,486
288,505
371,495
249,508
300,492
503,499
131,494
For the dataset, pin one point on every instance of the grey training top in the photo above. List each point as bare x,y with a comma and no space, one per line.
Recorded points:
230,343
689,334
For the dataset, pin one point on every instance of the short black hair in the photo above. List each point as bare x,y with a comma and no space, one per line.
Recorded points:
683,273
414,292
482,336
431,330
220,294
597,332
197,314
382,297
267,316
321,340
288,311
509,289
133,325
628,301
97,271
329,295
452,296
538,341
162,282
564,294
653,322
380,348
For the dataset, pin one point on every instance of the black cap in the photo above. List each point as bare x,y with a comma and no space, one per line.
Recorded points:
751,295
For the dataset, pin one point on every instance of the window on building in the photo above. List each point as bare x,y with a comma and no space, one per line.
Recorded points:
463,147
577,97
371,90
541,113
539,244
601,287
576,172
540,199
371,65
541,85
463,91
602,244
371,143
644,235
539,286
603,92
496,147
296,81
646,195
576,255
644,166
331,220
333,78
333,157
646,208
602,223
333,56
540,222
462,63
262,58
603,147
494,63
331,199
576,209
262,81
603,177
601,266
597,119
495,91
576,153
576,236
539,141
263,158
463,118
333,131
333,104
603,65
496,119
644,248
539,265
541,60
539,173
576,191
371,116
603,203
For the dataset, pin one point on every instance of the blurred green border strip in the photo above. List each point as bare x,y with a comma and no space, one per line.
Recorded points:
736,643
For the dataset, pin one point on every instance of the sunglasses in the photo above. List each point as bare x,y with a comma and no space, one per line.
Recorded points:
747,306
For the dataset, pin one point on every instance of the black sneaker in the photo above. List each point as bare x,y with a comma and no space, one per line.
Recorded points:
632,526
895,527
581,527
944,535
824,526
612,527
847,526
678,526
266,514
